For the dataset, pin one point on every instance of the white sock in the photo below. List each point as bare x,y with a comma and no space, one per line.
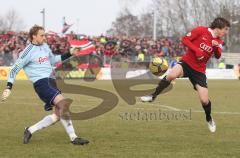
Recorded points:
45,122
67,124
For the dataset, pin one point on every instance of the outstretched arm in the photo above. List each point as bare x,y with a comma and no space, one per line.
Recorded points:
57,58
19,64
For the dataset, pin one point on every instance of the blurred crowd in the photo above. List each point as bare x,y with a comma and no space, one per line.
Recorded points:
133,49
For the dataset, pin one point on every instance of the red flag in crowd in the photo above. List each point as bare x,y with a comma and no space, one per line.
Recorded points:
65,26
86,46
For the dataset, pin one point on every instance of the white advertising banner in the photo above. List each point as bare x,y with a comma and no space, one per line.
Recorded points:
211,74
221,74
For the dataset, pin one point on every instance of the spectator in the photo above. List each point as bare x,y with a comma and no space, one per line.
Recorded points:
133,48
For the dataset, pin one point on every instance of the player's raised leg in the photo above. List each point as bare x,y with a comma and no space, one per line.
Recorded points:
206,104
175,72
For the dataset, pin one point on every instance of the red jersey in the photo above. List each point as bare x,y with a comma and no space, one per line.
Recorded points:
199,42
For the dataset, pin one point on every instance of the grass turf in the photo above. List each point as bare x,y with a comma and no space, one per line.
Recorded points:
111,135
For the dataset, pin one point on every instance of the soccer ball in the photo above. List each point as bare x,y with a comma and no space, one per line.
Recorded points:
158,66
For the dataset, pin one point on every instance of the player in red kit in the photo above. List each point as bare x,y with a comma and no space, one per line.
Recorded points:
202,43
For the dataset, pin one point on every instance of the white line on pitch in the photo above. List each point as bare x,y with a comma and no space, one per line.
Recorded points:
164,106
196,111
217,112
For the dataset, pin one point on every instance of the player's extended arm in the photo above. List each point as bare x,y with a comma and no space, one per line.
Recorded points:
187,40
19,64
72,51
57,58
11,77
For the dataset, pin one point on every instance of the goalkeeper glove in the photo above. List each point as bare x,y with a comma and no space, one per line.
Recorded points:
6,94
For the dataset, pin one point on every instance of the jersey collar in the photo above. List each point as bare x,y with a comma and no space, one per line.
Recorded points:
211,31
36,44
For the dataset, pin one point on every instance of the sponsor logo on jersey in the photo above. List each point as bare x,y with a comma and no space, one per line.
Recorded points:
42,59
205,47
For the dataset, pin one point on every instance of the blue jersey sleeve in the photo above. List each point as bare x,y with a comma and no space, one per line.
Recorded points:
22,60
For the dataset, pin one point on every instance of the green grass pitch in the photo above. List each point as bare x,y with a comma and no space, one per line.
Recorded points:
112,135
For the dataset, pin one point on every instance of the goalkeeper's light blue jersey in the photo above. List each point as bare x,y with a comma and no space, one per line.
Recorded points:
37,62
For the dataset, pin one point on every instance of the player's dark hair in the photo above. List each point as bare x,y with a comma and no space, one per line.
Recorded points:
220,23
34,31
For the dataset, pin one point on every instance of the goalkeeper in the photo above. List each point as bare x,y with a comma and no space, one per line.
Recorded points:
37,61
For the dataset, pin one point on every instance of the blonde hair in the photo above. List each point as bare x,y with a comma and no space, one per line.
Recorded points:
34,31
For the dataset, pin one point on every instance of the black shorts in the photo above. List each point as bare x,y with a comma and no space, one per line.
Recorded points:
47,90
194,76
